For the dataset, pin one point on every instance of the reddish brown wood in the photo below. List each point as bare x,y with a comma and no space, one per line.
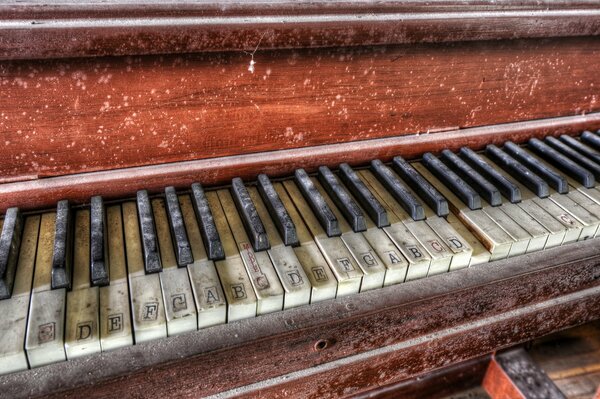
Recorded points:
514,375
35,29
80,115
78,188
597,395
375,338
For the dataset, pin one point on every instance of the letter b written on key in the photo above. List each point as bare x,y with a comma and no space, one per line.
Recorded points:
238,291
414,252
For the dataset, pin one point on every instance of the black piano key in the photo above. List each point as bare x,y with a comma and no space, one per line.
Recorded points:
62,256
421,186
555,180
451,180
152,262
254,226
10,242
362,193
342,199
98,261
317,203
591,139
206,222
277,210
574,155
522,173
561,162
181,244
509,189
485,189
581,148
398,190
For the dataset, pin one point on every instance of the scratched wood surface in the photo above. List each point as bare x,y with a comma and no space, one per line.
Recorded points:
61,117
373,339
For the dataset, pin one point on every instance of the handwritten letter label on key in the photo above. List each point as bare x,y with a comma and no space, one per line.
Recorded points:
247,253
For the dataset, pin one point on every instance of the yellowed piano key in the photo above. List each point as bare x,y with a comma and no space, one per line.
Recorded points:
266,284
520,236
180,309
323,282
241,299
82,336
208,293
340,260
13,328
115,313
479,254
147,306
293,279
489,233
46,322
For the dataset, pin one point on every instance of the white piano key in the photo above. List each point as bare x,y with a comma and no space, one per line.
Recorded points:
519,235
339,259
396,265
208,293
323,282
13,326
266,284
81,332
479,255
147,306
293,279
365,256
46,322
241,300
180,309
115,313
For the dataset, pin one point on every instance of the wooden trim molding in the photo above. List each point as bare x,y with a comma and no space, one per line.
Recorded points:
34,29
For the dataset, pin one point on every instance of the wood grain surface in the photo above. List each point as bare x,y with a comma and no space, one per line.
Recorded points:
61,117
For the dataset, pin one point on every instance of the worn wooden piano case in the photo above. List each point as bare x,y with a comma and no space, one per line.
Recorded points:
105,98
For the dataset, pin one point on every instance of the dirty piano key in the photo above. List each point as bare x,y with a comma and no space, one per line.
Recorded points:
280,216
562,162
521,236
591,139
148,233
317,203
491,235
82,336
581,148
398,190
262,274
421,186
364,255
575,156
10,242
419,260
240,296
323,282
115,313
555,180
206,222
339,259
518,170
508,189
438,252
180,309
14,310
46,321
62,256
364,196
206,287
479,254
98,249
342,199
181,245
247,211
485,189
147,306
452,181
291,274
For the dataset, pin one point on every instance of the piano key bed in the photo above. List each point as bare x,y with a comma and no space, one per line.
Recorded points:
88,280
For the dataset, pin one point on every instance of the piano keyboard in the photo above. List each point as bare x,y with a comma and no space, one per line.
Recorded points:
83,280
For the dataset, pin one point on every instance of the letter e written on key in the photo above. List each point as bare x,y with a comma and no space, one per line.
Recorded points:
319,273
115,323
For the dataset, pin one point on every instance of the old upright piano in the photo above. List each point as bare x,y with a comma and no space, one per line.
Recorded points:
289,198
